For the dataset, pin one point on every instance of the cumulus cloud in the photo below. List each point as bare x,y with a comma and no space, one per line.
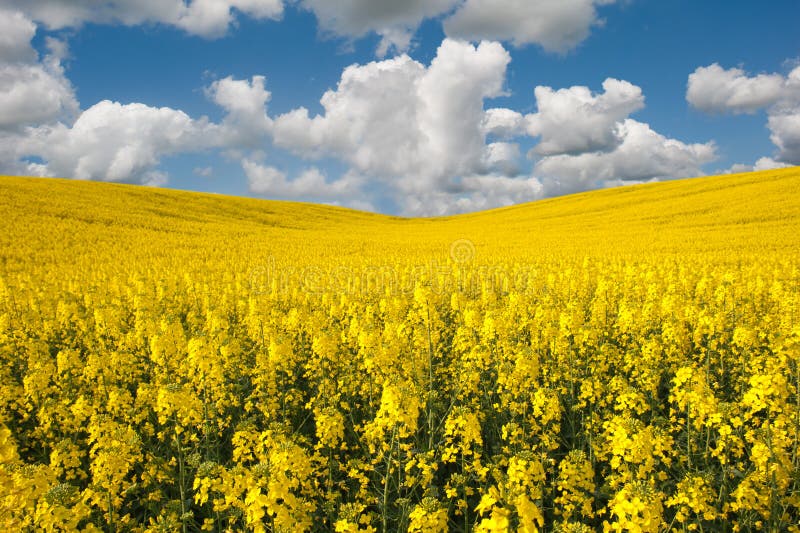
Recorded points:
488,191
423,133
207,18
16,32
784,126
369,120
311,184
450,104
556,25
412,126
11,153
247,123
767,163
34,93
115,142
503,157
394,21
784,121
503,123
642,155
714,89
111,141
587,140
418,134
43,132
763,163
474,193
33,90
573,120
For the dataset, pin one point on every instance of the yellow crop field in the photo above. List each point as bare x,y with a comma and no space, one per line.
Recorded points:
620,360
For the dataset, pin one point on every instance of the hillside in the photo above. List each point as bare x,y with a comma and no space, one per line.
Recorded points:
617,360
755,212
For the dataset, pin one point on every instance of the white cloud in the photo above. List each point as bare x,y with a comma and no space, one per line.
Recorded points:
503,123
369,120
40,134
394,21
208,18
246,123
410,126
785,128
784,121
115,142
16,32
450,104
503,157
737,168
416,133
714,89
11,153
556,25
485,192
421,132
643,154
311,184
32,91
587,141
573,120
767,163
473,193
33,94
111,141
763,163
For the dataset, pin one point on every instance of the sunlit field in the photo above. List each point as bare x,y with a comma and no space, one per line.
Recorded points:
619,360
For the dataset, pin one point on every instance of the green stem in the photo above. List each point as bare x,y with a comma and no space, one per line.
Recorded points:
181,480
386,478
430,384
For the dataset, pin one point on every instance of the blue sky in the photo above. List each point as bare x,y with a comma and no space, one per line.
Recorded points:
128,85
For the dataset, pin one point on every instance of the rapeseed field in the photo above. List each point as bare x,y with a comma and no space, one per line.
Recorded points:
619,360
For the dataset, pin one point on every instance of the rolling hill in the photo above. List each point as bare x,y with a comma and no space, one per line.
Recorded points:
618,360
754,212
